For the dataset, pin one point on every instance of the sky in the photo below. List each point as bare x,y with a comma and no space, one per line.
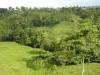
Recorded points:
47,3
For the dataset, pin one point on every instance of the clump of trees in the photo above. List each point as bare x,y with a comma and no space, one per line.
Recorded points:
33,27
84,44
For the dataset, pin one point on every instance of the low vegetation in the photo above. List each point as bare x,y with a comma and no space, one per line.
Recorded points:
13,61
64,36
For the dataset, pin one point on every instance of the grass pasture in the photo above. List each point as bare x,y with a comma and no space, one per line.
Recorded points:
65,27
16,59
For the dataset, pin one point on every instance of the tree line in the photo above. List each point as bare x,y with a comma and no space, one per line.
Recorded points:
33,27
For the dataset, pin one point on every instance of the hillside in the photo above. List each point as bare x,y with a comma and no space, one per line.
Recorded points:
16,59
65,28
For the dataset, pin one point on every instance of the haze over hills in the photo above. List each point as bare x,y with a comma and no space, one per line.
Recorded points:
48,3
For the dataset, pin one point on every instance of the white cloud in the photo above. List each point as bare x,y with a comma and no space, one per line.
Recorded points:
33,3
43,3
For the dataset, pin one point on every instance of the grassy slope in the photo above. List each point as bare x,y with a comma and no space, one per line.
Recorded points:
62,29
15,59
65,27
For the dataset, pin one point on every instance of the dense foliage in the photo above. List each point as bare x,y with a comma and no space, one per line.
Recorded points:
78,38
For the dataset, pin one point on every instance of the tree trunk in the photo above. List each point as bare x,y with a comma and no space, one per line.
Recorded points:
83,66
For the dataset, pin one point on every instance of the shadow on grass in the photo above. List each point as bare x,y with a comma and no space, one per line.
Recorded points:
34,52
30,61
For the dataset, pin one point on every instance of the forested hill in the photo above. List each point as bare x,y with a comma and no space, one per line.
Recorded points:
65,34
13,21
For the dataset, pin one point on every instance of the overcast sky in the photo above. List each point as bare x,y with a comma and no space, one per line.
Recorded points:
47,3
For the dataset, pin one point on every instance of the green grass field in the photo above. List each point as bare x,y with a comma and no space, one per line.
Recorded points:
65,27
16,59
